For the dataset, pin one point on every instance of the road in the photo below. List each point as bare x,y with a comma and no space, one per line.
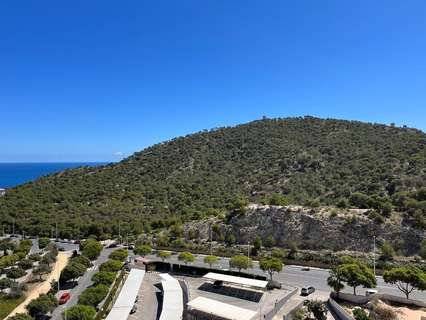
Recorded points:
83,283
294,276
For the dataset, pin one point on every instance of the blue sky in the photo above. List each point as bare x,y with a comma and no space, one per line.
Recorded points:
91,80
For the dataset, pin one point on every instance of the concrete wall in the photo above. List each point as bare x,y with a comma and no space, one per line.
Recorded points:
279,305
385,297
338,310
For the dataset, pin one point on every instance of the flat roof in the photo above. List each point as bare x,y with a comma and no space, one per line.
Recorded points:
238,280
127,296
172,298
220,309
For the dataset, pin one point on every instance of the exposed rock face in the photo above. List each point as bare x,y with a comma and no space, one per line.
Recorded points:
320,228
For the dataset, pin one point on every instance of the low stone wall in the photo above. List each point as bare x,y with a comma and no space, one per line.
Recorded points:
338,310
279,305
360,300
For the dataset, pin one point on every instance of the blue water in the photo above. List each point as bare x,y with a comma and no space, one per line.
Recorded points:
12,174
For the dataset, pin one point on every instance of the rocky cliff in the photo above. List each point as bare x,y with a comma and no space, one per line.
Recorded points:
315,228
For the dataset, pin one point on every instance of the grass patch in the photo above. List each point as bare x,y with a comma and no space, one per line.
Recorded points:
7,305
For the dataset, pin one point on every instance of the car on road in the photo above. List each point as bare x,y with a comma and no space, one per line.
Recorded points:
307,291
306,268
218,284
64,298
369,292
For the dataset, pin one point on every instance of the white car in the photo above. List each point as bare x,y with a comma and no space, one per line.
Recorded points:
370,292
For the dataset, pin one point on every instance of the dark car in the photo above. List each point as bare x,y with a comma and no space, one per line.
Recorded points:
113,245
307,291
218,284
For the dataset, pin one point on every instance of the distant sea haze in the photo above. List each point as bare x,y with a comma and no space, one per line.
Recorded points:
13,174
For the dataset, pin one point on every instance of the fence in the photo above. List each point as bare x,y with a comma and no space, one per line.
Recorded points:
103,311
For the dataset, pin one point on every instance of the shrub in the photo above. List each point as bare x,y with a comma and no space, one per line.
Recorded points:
93,296
120,255
103,277
44,304
111,266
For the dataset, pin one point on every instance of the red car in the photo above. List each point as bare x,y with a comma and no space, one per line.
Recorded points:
64,298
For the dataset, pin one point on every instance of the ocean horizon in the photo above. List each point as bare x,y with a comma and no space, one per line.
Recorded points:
13,174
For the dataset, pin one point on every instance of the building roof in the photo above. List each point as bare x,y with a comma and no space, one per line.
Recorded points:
127,296
220,309
172,298
237,280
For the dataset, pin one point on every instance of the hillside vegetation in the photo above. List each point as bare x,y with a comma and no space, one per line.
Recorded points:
306,161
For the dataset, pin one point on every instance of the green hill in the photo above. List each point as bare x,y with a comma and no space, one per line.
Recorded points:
307,161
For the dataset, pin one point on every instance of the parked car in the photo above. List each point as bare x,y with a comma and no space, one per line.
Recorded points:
218,284
113,245
369,292
307,291
64,298
306,268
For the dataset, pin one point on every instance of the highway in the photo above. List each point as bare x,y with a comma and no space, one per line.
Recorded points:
83,283
294,276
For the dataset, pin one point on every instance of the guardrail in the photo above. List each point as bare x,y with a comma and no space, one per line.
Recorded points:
338,310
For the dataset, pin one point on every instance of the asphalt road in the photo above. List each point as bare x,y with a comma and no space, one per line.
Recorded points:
83,283
294,276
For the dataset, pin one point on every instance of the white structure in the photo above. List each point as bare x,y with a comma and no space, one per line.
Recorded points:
2,192
172,298
219,309
126,298
253,283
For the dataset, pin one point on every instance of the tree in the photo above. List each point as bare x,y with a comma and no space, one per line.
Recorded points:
360,314
91,249
45,303
103,277
271,265
49,258
80,312
230,239
82,260
15,273
406,279
257,244
120,255
293,250
72,271
42,269
335,279
422,252
240,262
186,257
388,252
211,260
93,295
21,316
26,264
164,255
111,266
269,241
5,283
357,273
43,242
143,250
317,308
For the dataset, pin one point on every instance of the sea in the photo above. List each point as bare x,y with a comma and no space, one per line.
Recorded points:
13,174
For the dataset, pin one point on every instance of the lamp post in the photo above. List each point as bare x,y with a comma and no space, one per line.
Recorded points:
374,255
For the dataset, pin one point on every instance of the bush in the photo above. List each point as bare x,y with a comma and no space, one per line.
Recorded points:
26,264
120,255
111,266
93,296
80,312
91,249
15,273
104,277
21,316
44,304
82,260
360,314
72,271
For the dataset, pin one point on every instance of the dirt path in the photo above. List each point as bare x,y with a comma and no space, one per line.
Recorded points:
44,286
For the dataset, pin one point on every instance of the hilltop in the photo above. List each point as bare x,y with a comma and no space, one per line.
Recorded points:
304,161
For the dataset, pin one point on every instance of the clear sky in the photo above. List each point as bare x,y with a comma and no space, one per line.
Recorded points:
95,80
